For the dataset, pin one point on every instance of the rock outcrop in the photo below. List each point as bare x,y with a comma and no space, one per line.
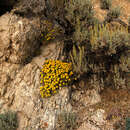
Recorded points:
20,65
18,38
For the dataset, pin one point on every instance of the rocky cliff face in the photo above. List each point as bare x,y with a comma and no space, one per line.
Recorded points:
20,31
19,38
20,70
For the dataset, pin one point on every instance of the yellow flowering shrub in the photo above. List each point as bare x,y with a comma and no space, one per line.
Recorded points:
51,31
54,75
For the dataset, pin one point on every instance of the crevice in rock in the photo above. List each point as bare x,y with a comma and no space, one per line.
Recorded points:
6,6
36,53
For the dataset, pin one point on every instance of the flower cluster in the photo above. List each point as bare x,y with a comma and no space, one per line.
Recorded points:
51,31
54,75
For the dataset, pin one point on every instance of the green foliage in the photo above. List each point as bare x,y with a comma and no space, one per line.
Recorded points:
109,46
8,121
78,59
114,13
54,75
104,56
80,14
106,4
108,36
98,49
129,20
66,121
128,123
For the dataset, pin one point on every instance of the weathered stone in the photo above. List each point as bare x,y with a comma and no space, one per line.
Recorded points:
91,97
4,38
88,126
1,103
23,96
56,105
30,8
8,72
18,38
99,117
48,52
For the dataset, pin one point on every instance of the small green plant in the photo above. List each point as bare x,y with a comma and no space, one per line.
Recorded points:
106,4
107,35
8,121
128,123
129,21
80,15
106,42
67,121
54,75
78,59
114,13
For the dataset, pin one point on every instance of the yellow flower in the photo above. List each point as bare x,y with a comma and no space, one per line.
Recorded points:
56,86
71,73
55,75
54,91
41,87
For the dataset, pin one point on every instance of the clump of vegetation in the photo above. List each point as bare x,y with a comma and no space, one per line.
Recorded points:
106,35
98,50
114,13
128,123
8,121
66,121
78,59
129,21
104,56
80,15
51,31
54,75
109,46
106,4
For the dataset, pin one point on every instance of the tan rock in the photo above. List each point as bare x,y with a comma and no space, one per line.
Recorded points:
24,97
88,126
18,38
91,97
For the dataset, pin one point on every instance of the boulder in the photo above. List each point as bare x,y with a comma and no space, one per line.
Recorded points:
19,38
25,99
